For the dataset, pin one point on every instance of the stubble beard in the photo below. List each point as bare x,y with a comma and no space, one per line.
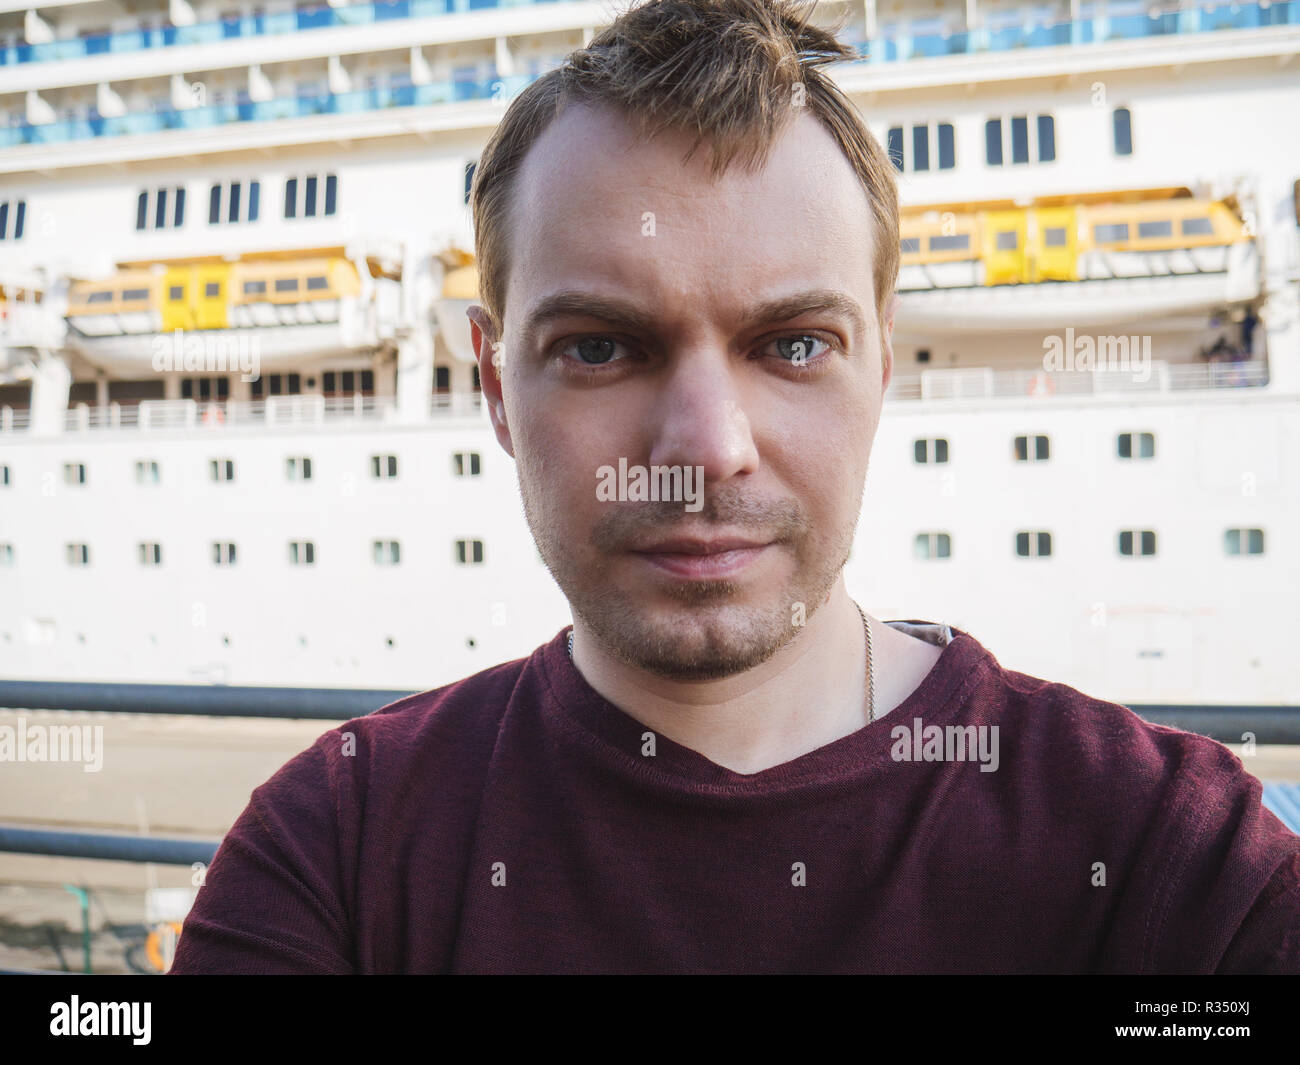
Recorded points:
712,629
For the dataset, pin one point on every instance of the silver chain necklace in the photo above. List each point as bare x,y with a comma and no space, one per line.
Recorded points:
871,669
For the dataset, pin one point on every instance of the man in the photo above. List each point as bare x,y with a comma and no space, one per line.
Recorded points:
728,766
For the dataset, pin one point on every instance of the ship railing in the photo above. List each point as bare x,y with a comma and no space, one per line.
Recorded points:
987,383
14,419
164,414
455,404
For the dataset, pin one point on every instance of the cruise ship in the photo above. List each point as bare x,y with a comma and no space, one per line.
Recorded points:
241,436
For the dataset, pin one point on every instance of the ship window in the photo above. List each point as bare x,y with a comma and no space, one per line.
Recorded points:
910,245
1110,232
387,552
146,472
254,288
467,464
232,211
1020,139
1046,139
254,198
331,193
309,197
74,473
469,552
1243,541
286,284
222,469
302,553
1155,230
1033,544
291,198
150,554
955,242
19,215
178,218
894,145
383,466
920,147
1054,237
212,288
947,152
368,380
930,450
932,545
1137,542
223,554
135,294
176,292
103,296
4,476
298,468
1008,240
1123,131
141,210
6,554
469,179
1197,227
442,379
316,283
993,141
78,554
1040,450
214,205
1146,445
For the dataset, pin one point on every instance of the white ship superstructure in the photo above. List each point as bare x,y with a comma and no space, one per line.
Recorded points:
1088,453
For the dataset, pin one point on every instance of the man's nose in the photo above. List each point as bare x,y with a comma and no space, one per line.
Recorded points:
702,418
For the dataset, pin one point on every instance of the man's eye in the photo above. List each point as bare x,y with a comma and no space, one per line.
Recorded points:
593,351
798,350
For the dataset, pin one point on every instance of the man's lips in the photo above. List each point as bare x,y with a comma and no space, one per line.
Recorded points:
700,559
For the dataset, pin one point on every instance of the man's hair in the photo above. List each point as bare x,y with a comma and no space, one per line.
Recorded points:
731,72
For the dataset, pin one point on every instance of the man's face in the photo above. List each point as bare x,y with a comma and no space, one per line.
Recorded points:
681,366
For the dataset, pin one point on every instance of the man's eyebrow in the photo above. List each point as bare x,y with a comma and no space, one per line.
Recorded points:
572,303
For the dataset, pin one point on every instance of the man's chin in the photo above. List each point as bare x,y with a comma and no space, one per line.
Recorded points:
700,643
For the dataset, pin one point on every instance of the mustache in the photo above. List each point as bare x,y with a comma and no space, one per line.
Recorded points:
729,506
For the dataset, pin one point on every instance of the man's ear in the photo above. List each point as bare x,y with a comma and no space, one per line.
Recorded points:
887,343
489,353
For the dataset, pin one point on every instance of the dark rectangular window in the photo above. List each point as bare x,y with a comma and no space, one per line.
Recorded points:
286,284
160,210
214,205
295,384
1054,237
1020,139
1123,131
920,147
232,213
4,220
910,245
176,292
253,288
316,283
442,379
1154,230
993,141
1040,447
211,289
1008,240
894,143
1046,139
129,294
309,198
254,194
1110,233
291,198
469,179
331,193
368,380
18,219
178,219
1197,227
141,210
947,149
956,242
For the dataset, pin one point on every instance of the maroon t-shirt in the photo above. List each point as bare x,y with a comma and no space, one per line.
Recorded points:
514,822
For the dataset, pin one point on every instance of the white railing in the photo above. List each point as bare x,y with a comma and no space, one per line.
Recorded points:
13,420
455,404
983,383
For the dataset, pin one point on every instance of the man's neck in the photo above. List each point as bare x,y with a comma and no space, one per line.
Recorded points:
810,693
